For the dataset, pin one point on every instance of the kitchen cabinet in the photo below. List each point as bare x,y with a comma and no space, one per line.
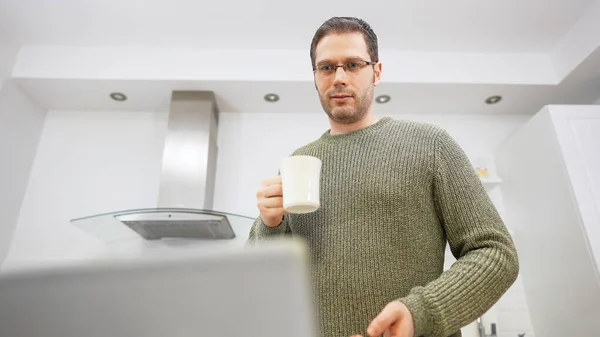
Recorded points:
550,169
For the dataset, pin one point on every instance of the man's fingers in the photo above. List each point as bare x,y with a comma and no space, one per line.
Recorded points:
274,202
272,181
270,191
388,316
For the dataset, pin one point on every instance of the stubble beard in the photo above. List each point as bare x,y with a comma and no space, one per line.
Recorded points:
348,114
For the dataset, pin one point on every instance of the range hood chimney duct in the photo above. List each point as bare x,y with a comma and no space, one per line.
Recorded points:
190,153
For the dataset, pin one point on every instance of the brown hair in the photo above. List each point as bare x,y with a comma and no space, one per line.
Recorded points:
344,25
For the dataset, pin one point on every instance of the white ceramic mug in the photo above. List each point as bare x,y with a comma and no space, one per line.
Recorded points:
300,179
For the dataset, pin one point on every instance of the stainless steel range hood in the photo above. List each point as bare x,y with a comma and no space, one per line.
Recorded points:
187,183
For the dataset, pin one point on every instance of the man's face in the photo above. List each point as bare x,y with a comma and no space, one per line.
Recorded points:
346,96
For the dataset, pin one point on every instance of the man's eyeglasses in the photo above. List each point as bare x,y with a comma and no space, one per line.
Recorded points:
350,67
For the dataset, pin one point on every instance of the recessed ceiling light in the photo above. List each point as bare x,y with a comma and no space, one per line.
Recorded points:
119,97
271,98
493,99
383,99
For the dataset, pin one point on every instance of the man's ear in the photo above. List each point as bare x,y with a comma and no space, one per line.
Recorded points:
377,74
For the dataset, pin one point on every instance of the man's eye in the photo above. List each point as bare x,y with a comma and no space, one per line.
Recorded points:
325,68
352,65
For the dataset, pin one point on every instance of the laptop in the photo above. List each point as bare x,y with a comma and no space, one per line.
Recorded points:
256,291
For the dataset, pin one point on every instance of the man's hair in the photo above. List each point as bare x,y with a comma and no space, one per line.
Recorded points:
345,25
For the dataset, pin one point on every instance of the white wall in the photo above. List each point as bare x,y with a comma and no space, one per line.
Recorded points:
8,56
87,163
93,162
20,126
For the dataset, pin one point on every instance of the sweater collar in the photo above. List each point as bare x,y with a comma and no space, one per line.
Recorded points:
328,137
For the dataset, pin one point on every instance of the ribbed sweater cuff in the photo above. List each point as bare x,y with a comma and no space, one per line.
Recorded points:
420,315
264,230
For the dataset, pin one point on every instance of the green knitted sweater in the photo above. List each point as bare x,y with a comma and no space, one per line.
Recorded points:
392,195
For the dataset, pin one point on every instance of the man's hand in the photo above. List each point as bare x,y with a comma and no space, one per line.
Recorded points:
269,200
395,320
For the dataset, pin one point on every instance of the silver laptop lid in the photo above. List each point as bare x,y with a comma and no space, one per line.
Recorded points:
257,291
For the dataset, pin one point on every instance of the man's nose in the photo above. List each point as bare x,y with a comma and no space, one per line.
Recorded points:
341,78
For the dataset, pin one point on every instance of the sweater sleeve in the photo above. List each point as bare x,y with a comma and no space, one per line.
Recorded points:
487,263
259,231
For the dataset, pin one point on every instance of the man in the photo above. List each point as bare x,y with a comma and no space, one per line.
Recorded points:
392,194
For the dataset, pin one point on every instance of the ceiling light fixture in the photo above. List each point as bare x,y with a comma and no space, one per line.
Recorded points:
383,99
117,96
493,99
271,98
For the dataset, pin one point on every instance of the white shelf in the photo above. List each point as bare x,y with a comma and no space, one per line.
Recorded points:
491,182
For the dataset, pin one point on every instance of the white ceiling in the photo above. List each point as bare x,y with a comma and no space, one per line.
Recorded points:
458,25
440,56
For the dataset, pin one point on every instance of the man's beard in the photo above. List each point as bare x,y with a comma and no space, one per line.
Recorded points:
348,114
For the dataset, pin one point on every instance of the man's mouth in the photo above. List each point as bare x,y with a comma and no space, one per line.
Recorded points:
341,98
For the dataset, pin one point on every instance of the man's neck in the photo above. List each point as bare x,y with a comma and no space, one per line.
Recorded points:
340,129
